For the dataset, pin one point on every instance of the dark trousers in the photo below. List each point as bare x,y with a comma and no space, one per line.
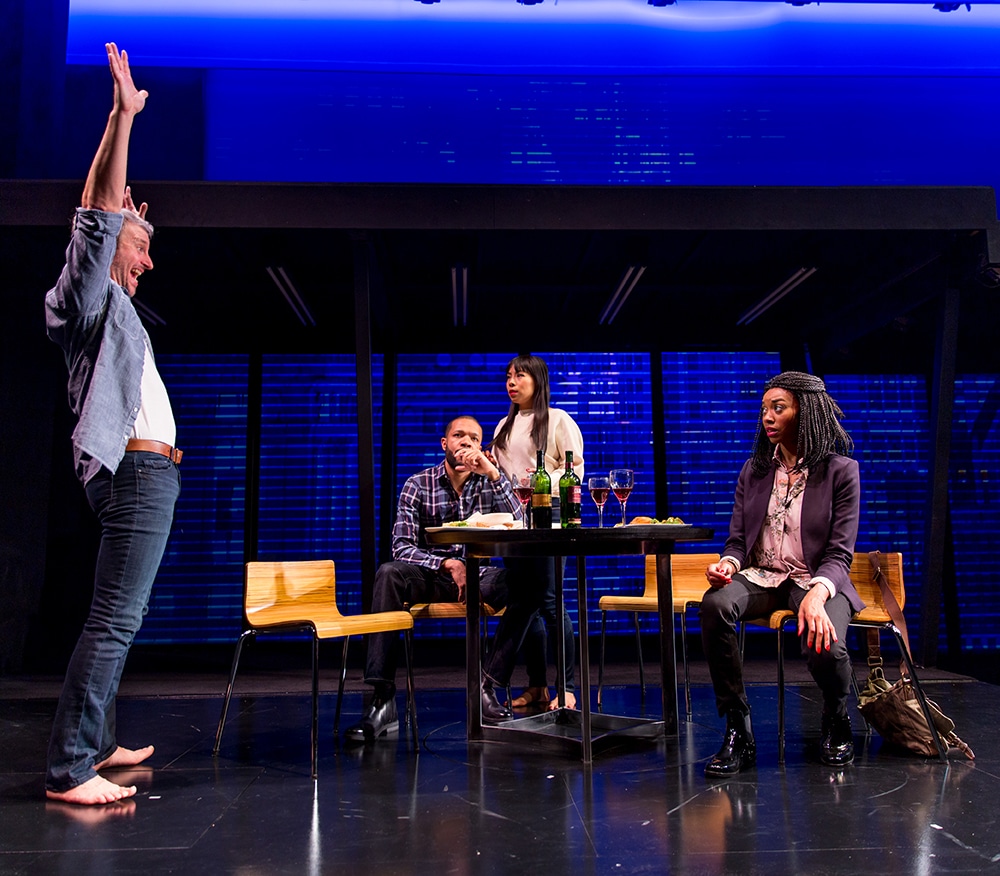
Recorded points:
135,507
398,585
724,607
545,628
526,586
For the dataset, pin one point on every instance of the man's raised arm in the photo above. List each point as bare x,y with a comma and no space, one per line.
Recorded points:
105,186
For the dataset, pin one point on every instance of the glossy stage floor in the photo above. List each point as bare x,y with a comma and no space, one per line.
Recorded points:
453,807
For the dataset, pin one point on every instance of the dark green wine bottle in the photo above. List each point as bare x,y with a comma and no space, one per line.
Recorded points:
541,498
569,496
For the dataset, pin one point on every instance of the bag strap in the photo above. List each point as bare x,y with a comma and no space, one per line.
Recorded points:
894,611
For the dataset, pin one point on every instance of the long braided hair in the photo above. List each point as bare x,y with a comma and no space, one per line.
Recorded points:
539,372
820,432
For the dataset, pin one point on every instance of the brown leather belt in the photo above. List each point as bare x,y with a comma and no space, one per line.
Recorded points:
171,453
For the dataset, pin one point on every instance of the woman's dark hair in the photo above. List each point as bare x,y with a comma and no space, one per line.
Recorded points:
539,372
820,432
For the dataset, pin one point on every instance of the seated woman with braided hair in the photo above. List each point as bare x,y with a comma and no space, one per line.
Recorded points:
791,544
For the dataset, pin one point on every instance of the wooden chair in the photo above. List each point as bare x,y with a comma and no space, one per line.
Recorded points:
873,616
687,576
280,597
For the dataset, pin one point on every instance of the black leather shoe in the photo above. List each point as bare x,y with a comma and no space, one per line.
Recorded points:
493,711
380,719
738,752
836,748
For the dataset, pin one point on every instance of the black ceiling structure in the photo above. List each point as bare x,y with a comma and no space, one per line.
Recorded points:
852,276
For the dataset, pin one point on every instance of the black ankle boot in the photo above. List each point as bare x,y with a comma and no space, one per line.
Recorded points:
738,752
836,747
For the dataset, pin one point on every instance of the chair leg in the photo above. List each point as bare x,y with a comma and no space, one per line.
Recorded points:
638,648
314,730
411,700
600,666
246,634
921,698
857,696
781,695
684,660
340,690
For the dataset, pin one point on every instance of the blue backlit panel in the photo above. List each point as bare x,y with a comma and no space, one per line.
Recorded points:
975,507
198,593
725,129
712,405
309,463
887,416
485,36
585,92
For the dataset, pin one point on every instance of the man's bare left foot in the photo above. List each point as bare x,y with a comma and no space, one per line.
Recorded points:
94,792
122,757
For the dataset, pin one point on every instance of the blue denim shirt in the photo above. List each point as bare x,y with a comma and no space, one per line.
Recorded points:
92,318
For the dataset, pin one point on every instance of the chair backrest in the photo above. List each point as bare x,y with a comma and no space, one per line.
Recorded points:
687,575
867,586
273,585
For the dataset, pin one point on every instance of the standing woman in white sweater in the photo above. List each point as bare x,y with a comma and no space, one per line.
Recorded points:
531,425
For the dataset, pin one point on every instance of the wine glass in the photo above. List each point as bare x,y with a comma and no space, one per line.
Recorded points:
523,489
599,489
622,481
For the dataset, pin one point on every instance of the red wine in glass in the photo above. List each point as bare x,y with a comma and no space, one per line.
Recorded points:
523,490
599,489
622,481
622,493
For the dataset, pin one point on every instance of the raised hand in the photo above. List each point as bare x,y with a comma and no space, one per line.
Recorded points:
128,98
129,204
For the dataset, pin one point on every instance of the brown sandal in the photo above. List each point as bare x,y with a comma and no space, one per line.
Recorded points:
531,696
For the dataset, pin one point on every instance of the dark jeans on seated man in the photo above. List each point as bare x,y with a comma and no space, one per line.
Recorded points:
519,587
398,585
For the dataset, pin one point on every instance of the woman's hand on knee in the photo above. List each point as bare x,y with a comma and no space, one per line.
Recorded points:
719,574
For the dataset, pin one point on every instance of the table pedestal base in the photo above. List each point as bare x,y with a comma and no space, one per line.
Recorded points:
561,731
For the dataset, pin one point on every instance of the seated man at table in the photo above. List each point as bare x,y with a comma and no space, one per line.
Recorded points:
464,482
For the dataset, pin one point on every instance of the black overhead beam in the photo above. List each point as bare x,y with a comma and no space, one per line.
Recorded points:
415,207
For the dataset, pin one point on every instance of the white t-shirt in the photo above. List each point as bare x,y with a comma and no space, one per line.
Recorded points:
155,421
519,454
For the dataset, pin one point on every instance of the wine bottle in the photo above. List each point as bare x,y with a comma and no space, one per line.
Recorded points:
541,498
569,496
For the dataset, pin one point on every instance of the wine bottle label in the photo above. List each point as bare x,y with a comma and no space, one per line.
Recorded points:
541,500
574,494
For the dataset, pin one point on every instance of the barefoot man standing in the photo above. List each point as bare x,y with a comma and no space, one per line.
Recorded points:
123,450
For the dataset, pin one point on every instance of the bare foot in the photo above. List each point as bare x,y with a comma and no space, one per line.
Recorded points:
121,757
94,792
570,701
530,696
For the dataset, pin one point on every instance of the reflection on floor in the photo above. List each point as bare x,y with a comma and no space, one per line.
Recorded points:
454,807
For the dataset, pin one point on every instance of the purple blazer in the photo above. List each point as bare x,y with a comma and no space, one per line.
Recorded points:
831,506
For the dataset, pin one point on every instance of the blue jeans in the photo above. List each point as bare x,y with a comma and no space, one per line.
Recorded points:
135,507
